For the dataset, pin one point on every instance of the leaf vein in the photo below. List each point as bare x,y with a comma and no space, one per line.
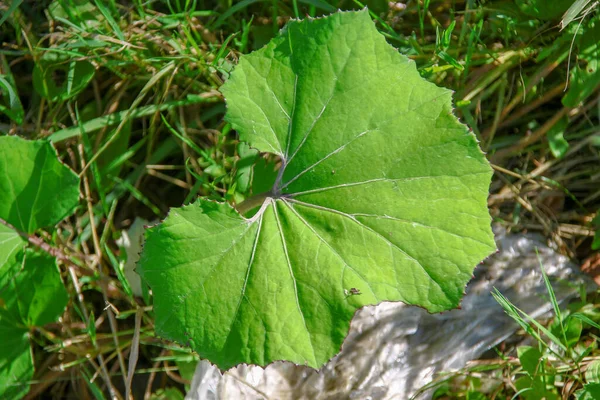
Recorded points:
391,244
287,258
416,178
346,265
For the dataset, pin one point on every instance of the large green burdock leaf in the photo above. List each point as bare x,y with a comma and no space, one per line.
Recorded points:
36,189
381,196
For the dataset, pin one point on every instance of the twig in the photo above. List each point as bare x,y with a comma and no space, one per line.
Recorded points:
135,349
38,242
534,137
152,376
96,240
105,375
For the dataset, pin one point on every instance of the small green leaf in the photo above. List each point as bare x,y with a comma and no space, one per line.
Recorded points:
573,329
36,189
91,328
381,192
534,389
544,9
590,391
596,225
243,176
556,140
16,363
80,12
6,13
36,295
592,372
450,60
10,245
57,79
577,9
446,36
530,358
264,175
13,107
167,394
585,73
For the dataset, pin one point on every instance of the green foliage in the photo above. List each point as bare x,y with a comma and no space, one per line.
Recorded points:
16,364
538,383
10,245
29,173
557,358
31,290
57,78
76,72
585,74
592,372
544,9
579,8
596,226
34,296
530,358
381,195
590,391
556,138
12,104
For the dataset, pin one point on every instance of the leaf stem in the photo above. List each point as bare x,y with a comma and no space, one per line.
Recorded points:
39,243
252,202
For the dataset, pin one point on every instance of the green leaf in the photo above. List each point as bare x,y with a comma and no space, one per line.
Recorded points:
57,79
381,197
34,297
36,189
80,12
244,167
585,73
592,372
264,175
167,394
10,245
544,9
16,363
125,115
14,5
590,391
572,331
530,358
577,9
596,225
37,294
556,139
31,290
13,107
534,389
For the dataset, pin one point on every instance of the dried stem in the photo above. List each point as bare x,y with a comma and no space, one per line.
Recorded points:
96,240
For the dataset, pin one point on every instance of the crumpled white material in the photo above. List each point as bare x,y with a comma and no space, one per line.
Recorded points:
393,350
132,241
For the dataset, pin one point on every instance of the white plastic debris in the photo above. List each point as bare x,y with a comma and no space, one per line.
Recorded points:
131,240
393,350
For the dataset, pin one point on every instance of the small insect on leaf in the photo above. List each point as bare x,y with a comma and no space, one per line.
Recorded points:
352,292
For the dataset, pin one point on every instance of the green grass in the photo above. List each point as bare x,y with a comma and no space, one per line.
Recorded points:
128,93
